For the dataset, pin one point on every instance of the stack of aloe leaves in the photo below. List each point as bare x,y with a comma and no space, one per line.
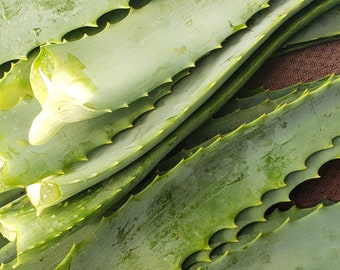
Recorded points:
128,139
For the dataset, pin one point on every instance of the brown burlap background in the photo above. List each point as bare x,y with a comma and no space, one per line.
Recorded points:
306,65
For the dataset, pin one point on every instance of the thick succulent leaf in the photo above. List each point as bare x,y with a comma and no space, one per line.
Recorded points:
248,234
72,84
187,96
15,85
254,230
223,240
34,234
10,195
326,26
257,213
111,17
31,241
227,120
251,100
230,122
164,221
7,253
24,164
26,24
252,108
293,245
48,258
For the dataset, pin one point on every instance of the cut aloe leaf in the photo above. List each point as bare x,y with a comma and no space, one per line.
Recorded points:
80,80
25,164
47,259
61,220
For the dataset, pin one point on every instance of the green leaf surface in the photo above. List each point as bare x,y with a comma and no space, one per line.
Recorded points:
48,258
251,100
257,213
26,24
25,164
327,26
310,242
15,85
73,81
175,215
224,123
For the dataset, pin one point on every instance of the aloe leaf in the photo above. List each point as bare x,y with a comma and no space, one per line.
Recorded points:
66,78
221,241
257,213
37,22
227,119
249,101
239,103
111,17
48,258
10,195
187,96
287,245
214,127
24,164
33,234
272,221
15,85
231,121
30,241
225,240
164,221
325,27
7,252
255,230
245,92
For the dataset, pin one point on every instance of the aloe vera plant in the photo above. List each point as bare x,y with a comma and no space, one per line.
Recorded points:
91,132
